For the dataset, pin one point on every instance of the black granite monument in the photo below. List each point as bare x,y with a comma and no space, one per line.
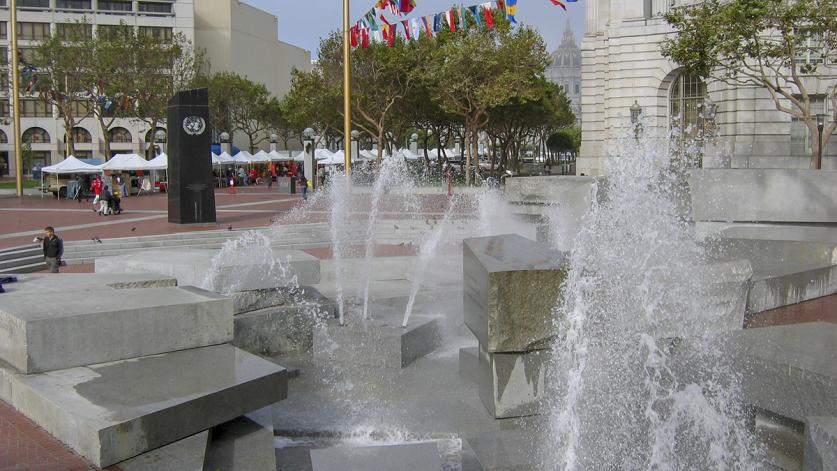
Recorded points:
191,191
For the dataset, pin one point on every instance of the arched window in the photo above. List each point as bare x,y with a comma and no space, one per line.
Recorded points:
120,135
686,100
82,136
148,136
36,136
4,139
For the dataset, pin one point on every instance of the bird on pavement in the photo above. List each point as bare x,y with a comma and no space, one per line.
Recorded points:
133,229
96,239
229,228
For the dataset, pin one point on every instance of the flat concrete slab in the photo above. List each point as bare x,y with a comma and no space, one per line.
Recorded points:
40,284
506,450
193,267
821,444
183,455
511,287
55,331
114,411
513,384
378,342
243,444
412,457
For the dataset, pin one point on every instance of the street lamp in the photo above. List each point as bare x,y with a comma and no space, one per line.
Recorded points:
273,139
160,139
309,163
225,142
820,126
355,147
636,112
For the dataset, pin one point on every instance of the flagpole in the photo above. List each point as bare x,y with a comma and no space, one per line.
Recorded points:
347,91
16,99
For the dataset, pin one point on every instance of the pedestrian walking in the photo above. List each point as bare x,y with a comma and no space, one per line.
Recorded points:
97,185
272,175
302,182
53,249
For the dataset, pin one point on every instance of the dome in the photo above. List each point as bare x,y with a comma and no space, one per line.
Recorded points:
568,54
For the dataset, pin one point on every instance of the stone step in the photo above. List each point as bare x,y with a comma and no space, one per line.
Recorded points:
21,261
408,457
243,444
29,268
111,412
187,454
39,283
53,331
506,450
19,252
820,444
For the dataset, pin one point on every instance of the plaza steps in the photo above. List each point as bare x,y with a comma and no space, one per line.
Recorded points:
24,259
115,373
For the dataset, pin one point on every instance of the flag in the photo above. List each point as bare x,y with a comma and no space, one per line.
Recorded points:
501,5
370,18
437,22
364,38
406,24
462,21
407,6
415,28
489,17
559,4
353,32
451,23
428,30
511,10
475,12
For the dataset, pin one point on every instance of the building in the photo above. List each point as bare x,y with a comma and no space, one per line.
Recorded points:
622,64
249,33
565,70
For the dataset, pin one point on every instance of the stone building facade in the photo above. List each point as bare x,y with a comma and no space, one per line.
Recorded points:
622,65
565,70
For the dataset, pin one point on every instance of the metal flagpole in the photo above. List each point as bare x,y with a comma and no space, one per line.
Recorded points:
347,90
16,98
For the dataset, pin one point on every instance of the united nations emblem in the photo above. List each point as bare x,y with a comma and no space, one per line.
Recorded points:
194,125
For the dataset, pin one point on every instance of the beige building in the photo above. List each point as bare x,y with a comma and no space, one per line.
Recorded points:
237,37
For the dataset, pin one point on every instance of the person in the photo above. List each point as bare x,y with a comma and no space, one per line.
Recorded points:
106,202
114,203
96,186
242,175
272,175
302,182
254,176
53,249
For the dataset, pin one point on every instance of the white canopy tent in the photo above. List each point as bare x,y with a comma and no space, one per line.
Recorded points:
225,158
408,154
243,157
261,157
215,159
68,166
161,162
275,156
126,162
319,154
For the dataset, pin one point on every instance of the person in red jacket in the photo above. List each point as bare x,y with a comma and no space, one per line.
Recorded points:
96,186
254,177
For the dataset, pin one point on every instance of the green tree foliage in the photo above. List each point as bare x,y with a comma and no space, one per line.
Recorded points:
780,45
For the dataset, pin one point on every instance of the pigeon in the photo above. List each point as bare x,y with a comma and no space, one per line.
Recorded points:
428,222
396,227
96,240
229,228
133,229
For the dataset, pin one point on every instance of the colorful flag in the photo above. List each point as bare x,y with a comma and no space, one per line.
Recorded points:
437,22
450,16
428,30
353,32
385,21
511,10
501,5
406,24
559,4
463,24
364,38
407,6
475,12
370,18
489,17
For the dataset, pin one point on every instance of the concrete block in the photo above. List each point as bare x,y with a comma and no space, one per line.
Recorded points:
378,342
254,300
61,330
820,444
511,287
506,450
114,411
411,457
773,292
193,267
40,284
513,384
764,195
275,330
243,444
183,455
469,363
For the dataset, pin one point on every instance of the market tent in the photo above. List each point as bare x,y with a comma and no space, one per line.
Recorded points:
215,159
71,165
275,156
243,157
161,162
319,154
408,154
226,158
337,158
126,162
261,157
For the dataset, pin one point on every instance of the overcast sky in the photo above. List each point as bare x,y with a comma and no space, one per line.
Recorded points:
303,23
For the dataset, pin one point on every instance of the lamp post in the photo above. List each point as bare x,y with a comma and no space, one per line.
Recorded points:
160,139
414,143
273,138
16,99
636,112
355,144
347,89
225,142
820,126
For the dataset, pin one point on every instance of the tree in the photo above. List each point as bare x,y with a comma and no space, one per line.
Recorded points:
478,69
779,45
311,103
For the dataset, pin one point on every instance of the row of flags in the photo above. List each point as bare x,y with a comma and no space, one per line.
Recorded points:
374,25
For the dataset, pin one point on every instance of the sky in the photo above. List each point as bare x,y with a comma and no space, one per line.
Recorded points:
303,23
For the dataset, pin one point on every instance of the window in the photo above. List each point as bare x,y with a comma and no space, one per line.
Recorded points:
158,141
35,109
159,32
81,136
74,31
33,3
577,88
115,31
4,56
152,7
119,135
115,5
27,54
800,136
5,108
810,47
4,30
80,109
35,136
686,99
33,31
4,139
73,4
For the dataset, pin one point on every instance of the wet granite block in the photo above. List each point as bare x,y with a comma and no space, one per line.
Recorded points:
183,455
55,331
820,444
469,363
511,287
114,411
243,444
40,284
506,450
411,457
378,342
513,384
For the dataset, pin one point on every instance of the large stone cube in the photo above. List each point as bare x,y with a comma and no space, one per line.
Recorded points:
511,286
511,384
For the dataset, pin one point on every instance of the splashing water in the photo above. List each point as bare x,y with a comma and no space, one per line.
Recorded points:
638,287
246,261
339,201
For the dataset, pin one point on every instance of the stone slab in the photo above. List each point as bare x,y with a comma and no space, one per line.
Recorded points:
243,444
411,457
513,384
275,330
820,444
191,267
511,286
469,363
183,455
783,290
764,195
378,342
506,450
254,300
55,331
40,284
114,411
